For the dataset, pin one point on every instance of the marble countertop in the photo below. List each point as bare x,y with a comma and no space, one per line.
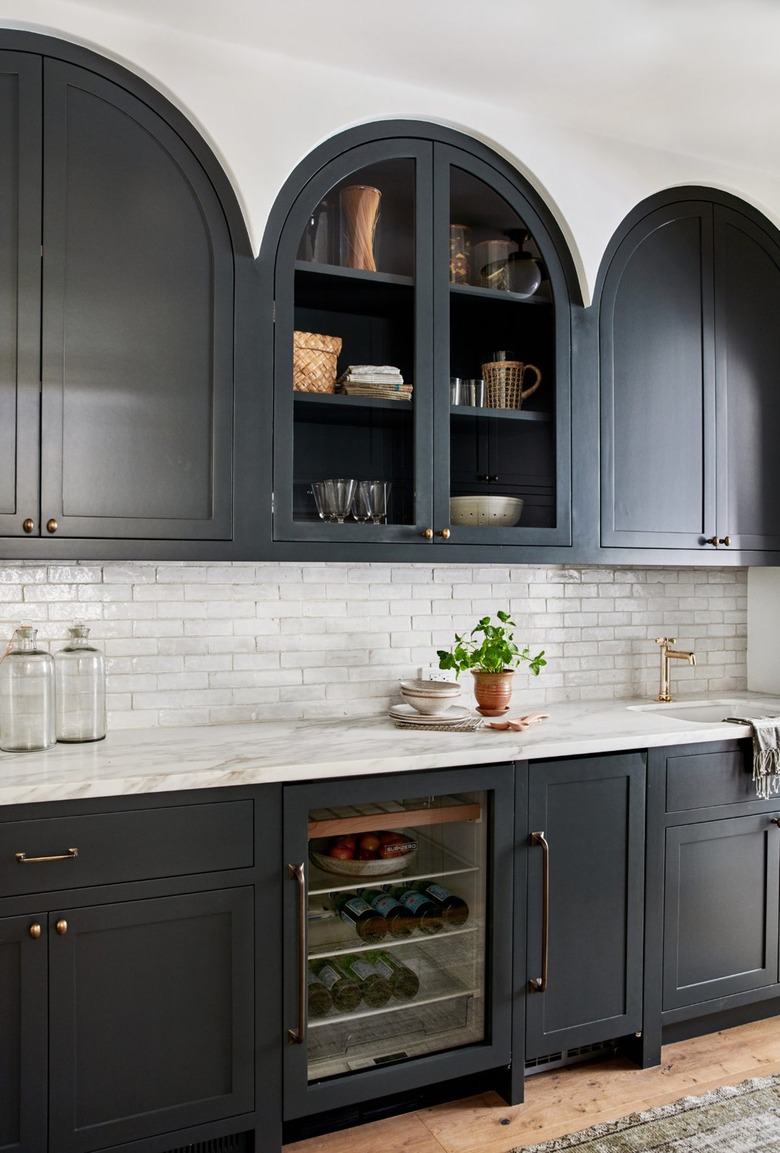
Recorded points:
163,759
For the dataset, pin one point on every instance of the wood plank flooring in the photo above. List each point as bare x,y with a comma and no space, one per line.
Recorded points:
566,1100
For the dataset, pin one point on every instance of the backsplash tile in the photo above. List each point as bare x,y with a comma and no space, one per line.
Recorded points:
220,643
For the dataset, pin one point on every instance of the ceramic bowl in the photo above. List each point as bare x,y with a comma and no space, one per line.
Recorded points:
489,510
381,867
429,688
432,704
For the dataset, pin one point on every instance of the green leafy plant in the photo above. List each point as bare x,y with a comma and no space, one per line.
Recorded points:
489,648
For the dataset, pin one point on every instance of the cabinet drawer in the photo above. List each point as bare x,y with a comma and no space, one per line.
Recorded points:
137,845
704,780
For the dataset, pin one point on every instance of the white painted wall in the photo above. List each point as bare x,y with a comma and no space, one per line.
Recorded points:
600,105
763,630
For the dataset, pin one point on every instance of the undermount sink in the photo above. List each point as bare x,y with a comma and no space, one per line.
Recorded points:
711,712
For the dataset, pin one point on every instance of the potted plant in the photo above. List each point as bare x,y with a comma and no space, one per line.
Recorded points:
491,655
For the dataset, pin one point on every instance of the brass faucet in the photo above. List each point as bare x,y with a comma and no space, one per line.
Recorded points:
668,655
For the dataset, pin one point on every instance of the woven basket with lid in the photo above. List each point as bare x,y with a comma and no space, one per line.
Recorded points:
314,361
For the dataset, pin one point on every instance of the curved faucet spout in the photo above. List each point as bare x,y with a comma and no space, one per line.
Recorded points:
667,655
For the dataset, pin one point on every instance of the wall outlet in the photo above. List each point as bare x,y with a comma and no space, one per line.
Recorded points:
434,673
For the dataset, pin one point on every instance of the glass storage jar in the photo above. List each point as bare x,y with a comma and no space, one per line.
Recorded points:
81,689
26,694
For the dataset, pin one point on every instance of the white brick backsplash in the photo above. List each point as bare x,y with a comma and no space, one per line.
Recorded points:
194,644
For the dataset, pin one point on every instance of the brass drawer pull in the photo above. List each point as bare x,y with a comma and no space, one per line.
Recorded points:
23,859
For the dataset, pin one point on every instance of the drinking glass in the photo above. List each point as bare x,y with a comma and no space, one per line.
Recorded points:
371,500
339,494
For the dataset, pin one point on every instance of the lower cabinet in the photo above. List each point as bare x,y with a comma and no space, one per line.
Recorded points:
713,897
133,1010
581,968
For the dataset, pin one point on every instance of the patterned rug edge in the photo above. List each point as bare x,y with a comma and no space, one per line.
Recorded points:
632,1120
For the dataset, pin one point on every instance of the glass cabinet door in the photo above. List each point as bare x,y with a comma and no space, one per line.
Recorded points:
505,442
390,900
352,351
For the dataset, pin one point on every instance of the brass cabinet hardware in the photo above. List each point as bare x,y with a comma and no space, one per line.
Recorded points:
716,540
775,821
445,534
489,477
52,525
61,926
35,931
70,855
28,525
428,534
539,984
298,1036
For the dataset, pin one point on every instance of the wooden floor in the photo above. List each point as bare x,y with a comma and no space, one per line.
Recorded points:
566,1100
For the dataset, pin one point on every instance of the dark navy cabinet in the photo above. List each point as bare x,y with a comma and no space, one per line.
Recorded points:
128,969
713,890
580,973
121,247
688,299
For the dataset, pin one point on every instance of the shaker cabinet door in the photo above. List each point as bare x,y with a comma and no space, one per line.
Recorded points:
23,1032
137,322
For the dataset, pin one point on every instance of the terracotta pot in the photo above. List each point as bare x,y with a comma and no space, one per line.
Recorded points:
492,692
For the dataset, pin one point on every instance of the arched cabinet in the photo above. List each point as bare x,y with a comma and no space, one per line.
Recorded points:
417,252
117,304
690,295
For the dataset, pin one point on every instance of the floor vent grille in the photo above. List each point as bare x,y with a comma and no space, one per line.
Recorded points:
238,1143
570,1057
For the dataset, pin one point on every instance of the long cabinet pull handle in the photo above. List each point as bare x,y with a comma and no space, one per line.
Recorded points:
298,1036
70,855
539,984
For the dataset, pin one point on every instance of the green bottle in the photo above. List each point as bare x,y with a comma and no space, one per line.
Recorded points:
403,981
427,915
343,988
375,989
319,996
400,920
369,925
454,910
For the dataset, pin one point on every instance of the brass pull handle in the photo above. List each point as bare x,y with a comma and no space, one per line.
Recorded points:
51,525
539,984
716,540
23,859
428,534
35,931
28,525
61,926
298,1036
775,821
445,534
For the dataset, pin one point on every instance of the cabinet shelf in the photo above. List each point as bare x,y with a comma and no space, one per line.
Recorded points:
480,293
332,408
334,822
351,290
458,411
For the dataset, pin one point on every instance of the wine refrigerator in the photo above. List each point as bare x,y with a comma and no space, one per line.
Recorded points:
398,930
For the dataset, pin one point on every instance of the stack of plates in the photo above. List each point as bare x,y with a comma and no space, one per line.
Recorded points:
454,715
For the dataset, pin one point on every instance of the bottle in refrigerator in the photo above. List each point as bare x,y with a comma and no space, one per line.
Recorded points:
343,988
454,910
374,988
319,996
369,925
403,980
400,920
427,915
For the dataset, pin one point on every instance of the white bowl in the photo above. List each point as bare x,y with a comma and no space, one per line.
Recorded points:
491,510
429,706
430,688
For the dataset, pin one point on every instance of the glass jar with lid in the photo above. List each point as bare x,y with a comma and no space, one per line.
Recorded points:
26,694
81,689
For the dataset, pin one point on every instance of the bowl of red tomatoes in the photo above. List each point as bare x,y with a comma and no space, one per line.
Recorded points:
372,854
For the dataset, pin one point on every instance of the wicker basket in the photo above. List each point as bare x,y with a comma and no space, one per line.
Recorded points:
504,383
314,361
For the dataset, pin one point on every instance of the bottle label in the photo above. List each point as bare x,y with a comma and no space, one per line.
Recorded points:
328,975
381,966
413,900
362,969
385,904
437,891
354,905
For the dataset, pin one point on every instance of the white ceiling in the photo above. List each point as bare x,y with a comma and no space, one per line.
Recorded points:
695,76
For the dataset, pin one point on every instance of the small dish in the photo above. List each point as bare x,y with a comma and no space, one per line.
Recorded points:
453,715
430,688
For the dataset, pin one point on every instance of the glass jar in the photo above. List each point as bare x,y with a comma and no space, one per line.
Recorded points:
81,689
26,694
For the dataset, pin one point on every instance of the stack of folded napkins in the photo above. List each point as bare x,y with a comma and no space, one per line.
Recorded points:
382,380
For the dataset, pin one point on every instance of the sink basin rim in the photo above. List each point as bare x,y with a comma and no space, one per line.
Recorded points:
709,711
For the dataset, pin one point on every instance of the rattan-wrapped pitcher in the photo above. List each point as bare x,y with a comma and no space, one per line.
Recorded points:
504,383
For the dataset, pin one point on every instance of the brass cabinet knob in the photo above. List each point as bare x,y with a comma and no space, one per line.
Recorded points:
35,931
716,540
445,534
51,525
428,534
61,926
775,821
28,525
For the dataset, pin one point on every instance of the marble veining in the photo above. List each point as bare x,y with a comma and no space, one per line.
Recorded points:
161,760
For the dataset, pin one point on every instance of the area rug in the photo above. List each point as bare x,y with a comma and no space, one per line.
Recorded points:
741,1118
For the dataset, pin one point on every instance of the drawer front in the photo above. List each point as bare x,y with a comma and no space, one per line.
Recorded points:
141,844
704,780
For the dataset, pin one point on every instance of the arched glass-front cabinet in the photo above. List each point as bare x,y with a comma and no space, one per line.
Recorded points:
422,342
